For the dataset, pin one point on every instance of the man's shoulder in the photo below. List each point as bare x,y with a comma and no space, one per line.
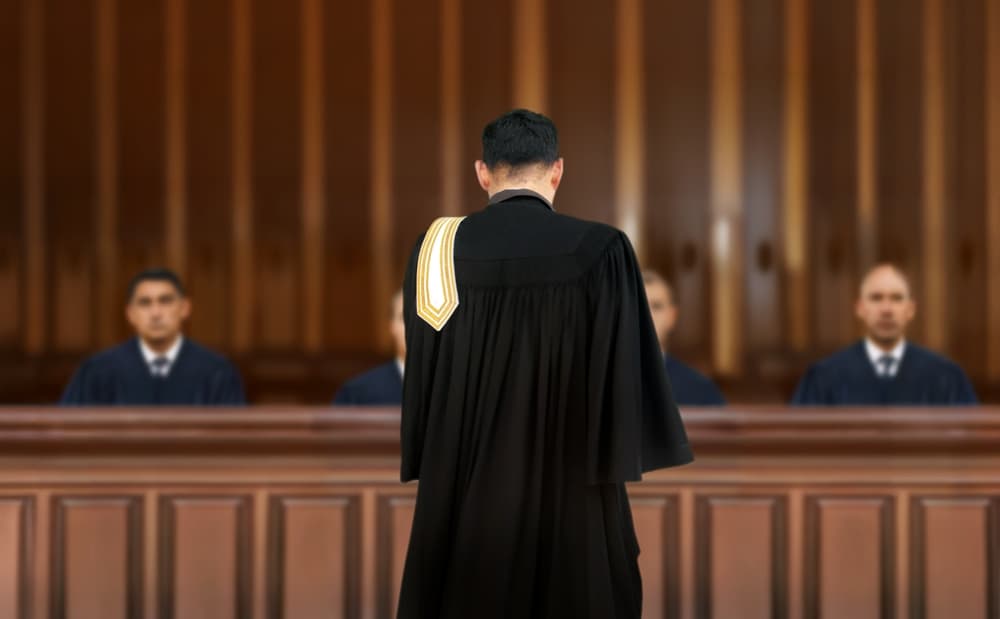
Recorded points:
203,355
118,354
387,372
928,359
845,358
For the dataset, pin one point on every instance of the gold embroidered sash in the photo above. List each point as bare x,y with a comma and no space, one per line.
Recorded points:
437,288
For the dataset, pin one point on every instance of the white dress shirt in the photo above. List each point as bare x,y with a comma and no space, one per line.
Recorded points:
151,355
878,356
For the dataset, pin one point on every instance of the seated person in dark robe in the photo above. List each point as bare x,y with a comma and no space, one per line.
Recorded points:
159,366
884,368
691,387
382,386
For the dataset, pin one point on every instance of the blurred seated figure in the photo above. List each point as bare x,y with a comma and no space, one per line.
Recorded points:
159,366
382,386
884,368
690,387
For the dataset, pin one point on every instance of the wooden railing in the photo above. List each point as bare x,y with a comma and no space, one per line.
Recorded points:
298,513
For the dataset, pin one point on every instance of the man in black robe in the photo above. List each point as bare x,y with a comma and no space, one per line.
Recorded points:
690,387
534,389
159,366
383,385
884,368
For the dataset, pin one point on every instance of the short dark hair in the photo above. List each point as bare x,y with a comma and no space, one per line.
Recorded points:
519,138
157,274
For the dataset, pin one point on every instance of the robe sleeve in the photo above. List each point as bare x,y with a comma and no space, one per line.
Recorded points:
808,391
78,391
421,342
633,424
227,387
966,393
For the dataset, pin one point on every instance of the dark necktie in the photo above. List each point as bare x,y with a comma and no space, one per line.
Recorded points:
160,367
885,363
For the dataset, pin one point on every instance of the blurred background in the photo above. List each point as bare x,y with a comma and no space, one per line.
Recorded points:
284,156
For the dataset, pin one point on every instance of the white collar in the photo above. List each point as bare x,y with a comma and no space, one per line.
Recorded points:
400,365
149,354
875,353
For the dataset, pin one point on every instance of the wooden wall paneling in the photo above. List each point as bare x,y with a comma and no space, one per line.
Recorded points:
97,560
677,92
32,119
488,35
935,178
11,171
175,92
313,548
416,130
530,52
205,557
656,522
107,198
69,148
956,556
313,172
965,266
992,93
726,186
741,567
763,53
795,174
348,319
208,139
629,124
16,515
901,142
395,518
140,94
867,134
383,246
850,567
581,74
451,106
276,92
832,172
242,310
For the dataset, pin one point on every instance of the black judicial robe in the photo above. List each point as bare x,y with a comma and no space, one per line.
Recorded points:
120,376
382,386
848,378
691,387
524,416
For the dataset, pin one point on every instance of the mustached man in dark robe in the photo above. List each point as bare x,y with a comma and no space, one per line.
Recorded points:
691,387
383,385
534,390
159,366
884,367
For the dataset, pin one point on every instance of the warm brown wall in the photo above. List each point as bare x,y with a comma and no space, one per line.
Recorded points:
285,156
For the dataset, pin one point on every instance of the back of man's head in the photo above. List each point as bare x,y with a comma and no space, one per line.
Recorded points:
519,139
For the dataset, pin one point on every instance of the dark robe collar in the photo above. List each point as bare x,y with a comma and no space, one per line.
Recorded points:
508,194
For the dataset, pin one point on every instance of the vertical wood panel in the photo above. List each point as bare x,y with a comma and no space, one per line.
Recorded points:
97,571
35,307
741,567
242,307
901,144
850,571
795,164
581,100
487,40
934,178
350,253
630,120
530,75
174,129
677,69
204,557
41,556
208,142
150,555
992,94
762,52
867,94
15,549
956,554
965,265
107,135
313,173
656,527
833,171
314,549
384,92
451,106
726,192
140,93
276,130
11,195
395,519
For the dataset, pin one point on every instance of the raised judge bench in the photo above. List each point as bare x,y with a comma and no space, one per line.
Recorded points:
298,513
